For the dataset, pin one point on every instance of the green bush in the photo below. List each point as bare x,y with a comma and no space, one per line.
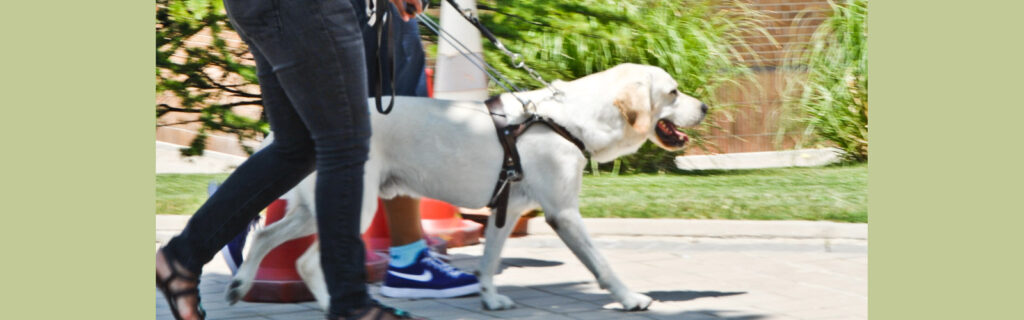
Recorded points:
699,42
829,91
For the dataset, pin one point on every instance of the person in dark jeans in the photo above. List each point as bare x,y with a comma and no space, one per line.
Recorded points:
409,252
311,67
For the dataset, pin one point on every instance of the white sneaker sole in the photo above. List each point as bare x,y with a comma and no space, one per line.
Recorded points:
413,293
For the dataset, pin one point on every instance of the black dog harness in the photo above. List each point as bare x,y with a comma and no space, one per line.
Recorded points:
511,170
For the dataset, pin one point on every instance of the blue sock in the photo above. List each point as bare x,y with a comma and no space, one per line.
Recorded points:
404,256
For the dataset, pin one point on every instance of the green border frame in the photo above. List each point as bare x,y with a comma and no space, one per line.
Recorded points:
77,96
945,167
945,173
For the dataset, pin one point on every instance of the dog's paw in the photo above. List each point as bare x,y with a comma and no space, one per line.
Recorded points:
636,302
496,302
236,290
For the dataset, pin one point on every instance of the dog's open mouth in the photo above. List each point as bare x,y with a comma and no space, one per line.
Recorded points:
669,135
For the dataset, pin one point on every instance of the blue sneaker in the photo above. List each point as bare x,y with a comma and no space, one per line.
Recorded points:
428,277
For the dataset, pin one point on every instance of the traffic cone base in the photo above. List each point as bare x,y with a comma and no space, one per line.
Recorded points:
442,220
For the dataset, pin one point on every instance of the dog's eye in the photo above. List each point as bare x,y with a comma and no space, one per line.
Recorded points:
675,92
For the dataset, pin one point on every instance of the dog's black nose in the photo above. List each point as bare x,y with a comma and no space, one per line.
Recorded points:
703,108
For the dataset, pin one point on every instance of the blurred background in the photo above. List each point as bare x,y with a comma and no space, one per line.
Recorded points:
751,60
778,74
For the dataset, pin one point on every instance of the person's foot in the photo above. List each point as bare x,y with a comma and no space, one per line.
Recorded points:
180,287
376,311
428,277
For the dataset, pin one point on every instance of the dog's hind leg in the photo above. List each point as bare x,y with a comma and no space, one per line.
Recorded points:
308,266
298,222
568,224
491,260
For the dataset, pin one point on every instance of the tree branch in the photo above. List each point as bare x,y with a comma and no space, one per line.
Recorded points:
164,108
228,89
177,123
240,103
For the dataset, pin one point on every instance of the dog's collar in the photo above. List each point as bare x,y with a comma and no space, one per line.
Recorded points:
511,169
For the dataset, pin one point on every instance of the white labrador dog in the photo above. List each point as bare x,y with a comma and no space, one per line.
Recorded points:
448,150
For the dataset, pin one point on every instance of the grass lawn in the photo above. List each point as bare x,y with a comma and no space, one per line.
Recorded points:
837,193
183,193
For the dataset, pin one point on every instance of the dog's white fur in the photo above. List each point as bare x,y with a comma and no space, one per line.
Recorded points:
448,150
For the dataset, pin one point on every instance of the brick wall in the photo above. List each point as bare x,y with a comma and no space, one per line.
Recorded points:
757,115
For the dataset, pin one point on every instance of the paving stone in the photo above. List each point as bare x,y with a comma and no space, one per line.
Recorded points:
766,279
303,315
519,312
606,315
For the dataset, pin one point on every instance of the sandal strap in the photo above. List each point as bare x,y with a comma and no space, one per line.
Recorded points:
395,311
382,312
172,296
179,293
175,274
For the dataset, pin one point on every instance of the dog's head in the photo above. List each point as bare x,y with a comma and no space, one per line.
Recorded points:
651,104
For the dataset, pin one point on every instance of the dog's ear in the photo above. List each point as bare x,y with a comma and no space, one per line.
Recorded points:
634,102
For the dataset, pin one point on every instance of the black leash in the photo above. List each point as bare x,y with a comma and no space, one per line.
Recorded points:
381,10
517,59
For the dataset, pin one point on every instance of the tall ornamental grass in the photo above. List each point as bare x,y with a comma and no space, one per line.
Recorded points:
828,87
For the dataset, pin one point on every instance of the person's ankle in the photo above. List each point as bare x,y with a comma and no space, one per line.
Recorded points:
405,255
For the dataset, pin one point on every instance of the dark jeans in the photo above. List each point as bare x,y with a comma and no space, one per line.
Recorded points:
310,61
410,78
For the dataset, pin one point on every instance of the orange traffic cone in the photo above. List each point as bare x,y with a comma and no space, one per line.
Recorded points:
442,220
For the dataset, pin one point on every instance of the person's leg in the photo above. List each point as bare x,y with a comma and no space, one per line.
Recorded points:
403,215
316,52
409,252
261,179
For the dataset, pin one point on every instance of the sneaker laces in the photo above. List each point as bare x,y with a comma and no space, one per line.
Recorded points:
434,259
438,255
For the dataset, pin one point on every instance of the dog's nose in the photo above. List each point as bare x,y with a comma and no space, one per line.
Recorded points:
703,108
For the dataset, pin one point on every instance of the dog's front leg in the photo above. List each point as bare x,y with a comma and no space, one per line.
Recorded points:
296,223
308,266
495,241
569,226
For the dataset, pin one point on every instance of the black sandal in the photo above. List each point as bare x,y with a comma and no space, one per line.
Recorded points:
383,312
172,297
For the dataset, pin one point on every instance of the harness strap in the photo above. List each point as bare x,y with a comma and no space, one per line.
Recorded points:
511,169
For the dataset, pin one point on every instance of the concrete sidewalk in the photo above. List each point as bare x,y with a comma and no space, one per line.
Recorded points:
726,274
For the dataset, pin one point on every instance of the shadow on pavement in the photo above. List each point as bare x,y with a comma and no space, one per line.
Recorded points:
713,314
526,263
688,295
